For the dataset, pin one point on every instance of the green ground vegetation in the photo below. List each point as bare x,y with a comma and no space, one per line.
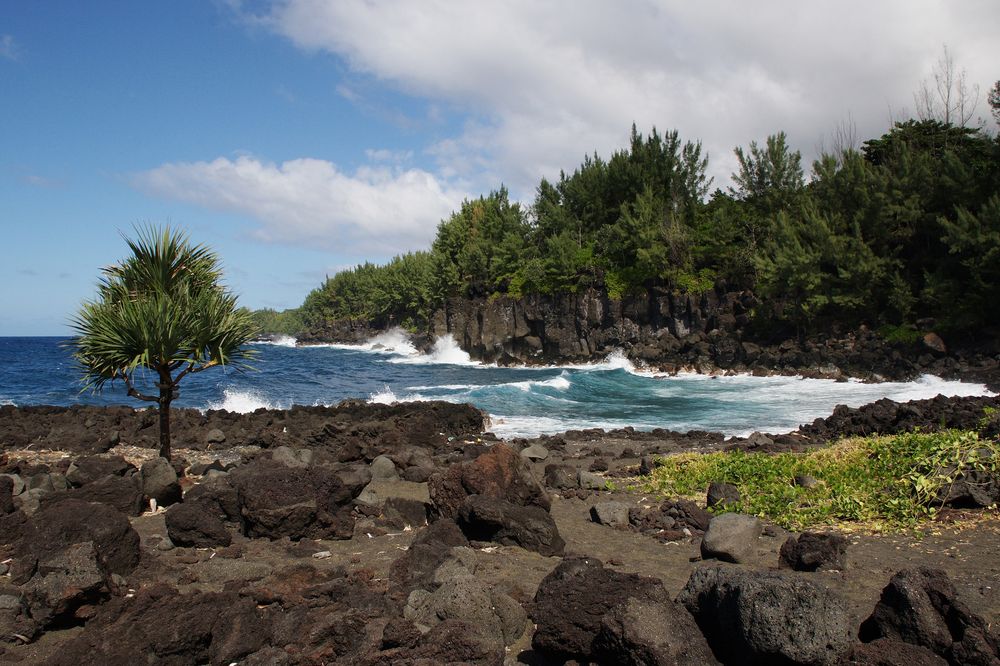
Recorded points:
902,227
884,482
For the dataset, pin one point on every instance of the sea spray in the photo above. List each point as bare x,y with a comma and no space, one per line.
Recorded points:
523,401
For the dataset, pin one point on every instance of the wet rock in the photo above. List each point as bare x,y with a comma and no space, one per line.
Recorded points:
759,617
499,473
655,631
572,601
491,519
921,606
159,482
811,551
731,537
724,494
196,524
613,514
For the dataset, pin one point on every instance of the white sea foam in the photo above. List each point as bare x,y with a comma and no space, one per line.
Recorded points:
561,383
395,340
278,341
387,397
242,402
7,402
383,397
444,352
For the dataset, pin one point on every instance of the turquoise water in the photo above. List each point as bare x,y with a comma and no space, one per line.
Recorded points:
520,401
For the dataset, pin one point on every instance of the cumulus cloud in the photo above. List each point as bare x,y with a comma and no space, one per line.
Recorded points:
373,211
543,83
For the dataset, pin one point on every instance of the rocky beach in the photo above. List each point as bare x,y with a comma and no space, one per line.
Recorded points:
407,534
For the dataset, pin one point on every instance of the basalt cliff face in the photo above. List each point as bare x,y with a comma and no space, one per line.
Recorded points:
717,331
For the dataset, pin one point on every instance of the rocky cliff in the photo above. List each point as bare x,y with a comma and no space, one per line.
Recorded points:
673,331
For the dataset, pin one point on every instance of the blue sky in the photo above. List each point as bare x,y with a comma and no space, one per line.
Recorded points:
303,136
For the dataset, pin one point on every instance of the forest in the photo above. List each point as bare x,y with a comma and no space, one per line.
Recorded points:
896,230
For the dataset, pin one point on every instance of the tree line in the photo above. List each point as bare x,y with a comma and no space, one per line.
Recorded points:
904,228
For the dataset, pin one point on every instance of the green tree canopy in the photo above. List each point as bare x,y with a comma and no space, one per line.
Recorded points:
162,310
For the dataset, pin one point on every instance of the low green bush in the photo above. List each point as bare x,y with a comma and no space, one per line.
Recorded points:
887,482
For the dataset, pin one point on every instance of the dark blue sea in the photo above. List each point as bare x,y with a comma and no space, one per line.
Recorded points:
521,401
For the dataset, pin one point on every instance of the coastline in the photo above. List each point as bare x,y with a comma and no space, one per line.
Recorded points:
250,545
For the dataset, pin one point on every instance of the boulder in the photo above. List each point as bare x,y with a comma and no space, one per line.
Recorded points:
491,519
289,457
196,524
59,525
65,580
499,473
590,481
494,616
171,628
572,601
811,551
764,617
687,514
383,468
653,631
534,452
278,501
215,436
417,566
6,495
921,607
731,537
221,493
119,492
724,494
560,477
613,514
159,482
91,468
16,483
382,489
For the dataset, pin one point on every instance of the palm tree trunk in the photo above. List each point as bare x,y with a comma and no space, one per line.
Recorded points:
166,395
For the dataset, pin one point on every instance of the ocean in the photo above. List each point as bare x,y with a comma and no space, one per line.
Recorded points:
521,401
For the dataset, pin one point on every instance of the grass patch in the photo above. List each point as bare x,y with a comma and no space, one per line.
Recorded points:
892,482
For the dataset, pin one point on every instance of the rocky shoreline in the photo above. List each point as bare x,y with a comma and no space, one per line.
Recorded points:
405,534
717,332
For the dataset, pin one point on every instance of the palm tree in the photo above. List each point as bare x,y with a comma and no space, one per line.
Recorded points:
164,310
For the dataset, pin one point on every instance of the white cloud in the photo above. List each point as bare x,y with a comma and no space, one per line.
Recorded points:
9,48
376,211
544,83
